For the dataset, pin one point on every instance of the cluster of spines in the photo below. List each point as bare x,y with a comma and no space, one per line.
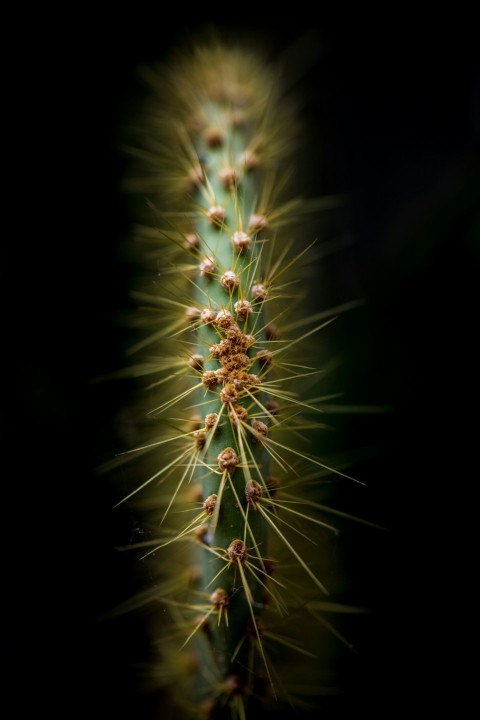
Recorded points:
229,358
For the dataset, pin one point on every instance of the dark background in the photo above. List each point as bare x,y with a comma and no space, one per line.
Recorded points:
395,108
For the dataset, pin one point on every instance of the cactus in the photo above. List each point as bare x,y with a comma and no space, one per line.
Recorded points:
227,476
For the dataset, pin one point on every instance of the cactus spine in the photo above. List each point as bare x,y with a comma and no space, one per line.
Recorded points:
215,163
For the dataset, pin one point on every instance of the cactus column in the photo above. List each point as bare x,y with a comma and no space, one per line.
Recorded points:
216,149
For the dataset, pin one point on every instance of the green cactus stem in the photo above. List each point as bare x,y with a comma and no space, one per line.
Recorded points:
216,150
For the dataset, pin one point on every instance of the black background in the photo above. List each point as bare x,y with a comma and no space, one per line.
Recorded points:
395,104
